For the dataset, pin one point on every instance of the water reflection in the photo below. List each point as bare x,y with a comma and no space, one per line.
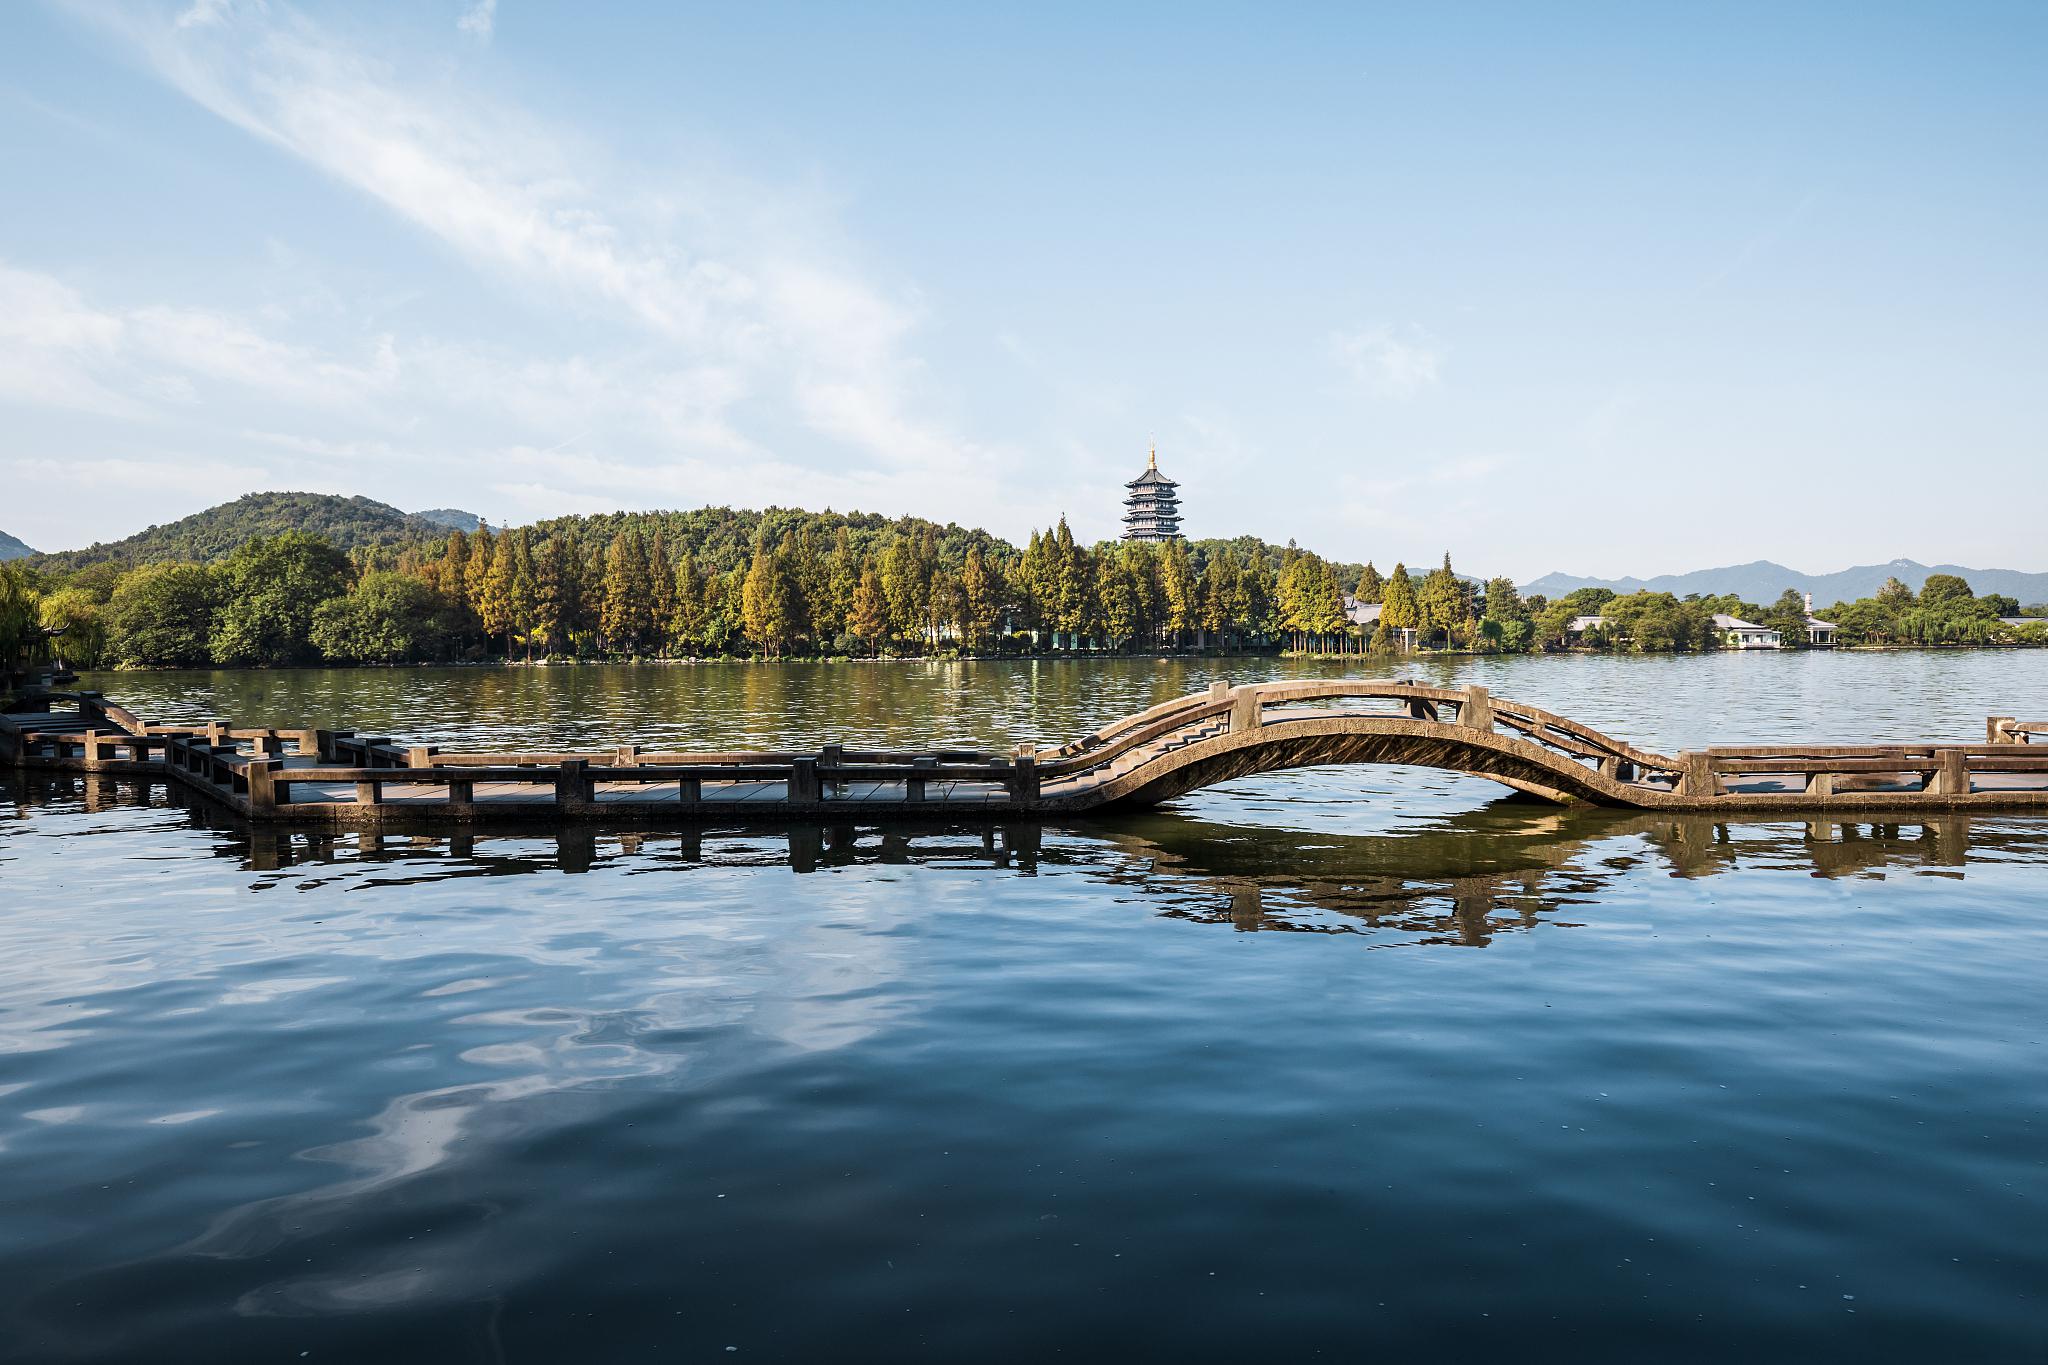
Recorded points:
1459,878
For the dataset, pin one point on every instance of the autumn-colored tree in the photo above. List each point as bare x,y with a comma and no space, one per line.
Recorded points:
868,618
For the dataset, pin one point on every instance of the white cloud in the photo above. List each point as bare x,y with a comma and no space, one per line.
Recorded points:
58,350
1376,360
479,20
745,292
201,13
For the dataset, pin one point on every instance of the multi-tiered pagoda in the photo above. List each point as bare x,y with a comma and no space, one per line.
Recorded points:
1152,507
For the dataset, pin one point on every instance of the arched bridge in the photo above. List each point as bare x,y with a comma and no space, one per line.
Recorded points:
335,777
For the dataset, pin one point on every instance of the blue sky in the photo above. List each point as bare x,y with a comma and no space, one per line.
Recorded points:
1599,288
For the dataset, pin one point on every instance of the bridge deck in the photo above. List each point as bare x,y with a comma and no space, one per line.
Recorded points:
311,776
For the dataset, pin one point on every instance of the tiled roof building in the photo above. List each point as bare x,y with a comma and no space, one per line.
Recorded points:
1152,507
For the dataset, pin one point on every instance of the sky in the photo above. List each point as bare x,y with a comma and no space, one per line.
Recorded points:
1603,289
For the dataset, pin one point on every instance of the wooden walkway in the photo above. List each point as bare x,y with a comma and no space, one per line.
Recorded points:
337,778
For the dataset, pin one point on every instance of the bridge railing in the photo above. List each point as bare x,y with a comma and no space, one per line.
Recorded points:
1258,705
2006,730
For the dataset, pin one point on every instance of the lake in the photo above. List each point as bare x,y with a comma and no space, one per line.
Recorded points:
1342,1064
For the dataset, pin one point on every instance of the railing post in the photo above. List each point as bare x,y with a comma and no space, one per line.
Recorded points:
626,756
421,755
1998,730
1219,690
1246,711
1421,708
913,787
262,774
803,780
572,785
323,743
1952,778
830,758
95,749
1024,778
690,789
1820,784
1476,711
1696,775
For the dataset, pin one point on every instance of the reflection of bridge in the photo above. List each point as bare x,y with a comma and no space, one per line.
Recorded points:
339,778
1463,880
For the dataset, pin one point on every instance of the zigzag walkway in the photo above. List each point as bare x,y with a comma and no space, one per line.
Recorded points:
337,778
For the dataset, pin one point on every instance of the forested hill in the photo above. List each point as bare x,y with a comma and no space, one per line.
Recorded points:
10,548
209,536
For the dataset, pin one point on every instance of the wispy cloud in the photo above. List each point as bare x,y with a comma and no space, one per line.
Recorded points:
479,20
774,315
1379,361
58,349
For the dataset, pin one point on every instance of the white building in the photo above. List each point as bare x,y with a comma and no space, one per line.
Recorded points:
1737,633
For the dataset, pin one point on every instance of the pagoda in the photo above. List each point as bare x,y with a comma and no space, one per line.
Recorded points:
1152,507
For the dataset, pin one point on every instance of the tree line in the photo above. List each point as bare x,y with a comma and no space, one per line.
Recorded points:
780,583
1946,611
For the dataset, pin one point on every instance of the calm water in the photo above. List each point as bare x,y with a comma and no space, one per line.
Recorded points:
1358,1064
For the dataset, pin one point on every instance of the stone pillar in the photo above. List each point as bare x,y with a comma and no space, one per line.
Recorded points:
1245,710
1996,730
1696,775
1952,778
572,785
1476,711
1820,784
1219,690
1024,781
421,756
803,781
262,775
913,788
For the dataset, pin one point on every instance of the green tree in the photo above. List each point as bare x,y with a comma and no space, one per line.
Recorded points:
1944,590
627,617
770,602
79,623
981,598
21,632
1399,610
1503,601
270,587
386,618
1787,616
161,616
1183,603
1371,587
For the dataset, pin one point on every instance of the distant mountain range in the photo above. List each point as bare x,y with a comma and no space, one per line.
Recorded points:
1764,580
10,548
220,531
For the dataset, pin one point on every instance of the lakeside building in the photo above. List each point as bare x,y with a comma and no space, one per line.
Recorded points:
1818,632
1366,617
1737,633
1152,507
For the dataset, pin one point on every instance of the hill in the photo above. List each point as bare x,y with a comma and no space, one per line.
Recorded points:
454,518
10,548
1764,580
217,532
